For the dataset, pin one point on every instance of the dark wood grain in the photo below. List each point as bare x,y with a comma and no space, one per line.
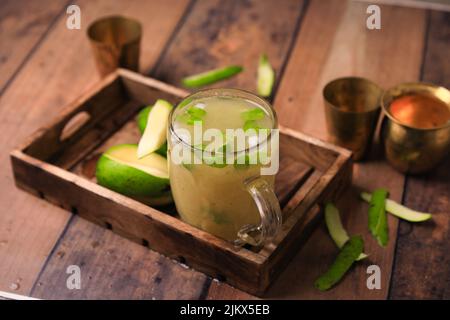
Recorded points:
223,30
120,269
346,48
292,175
358,52
23,24
333,41
422,265
326,48
219,33
60,68
222,291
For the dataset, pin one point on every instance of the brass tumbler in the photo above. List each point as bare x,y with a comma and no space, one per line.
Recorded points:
412,149
352,108
115,42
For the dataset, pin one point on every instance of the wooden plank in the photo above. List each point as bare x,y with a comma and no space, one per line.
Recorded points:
22,26
333,41
291,176
222,291
125,270
49,142
56,74
343,46
442,5
348,49
422,262
219,33
220,39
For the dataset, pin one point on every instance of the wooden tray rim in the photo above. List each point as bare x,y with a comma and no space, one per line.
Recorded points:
259,259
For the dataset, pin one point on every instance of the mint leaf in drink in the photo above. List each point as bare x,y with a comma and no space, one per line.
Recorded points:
183,118
242,162
253,114
192,120
184,103
192,115
189,120
188,166
377,216
351,250
196,112
251,124
201,146
214,157
219,218
215,160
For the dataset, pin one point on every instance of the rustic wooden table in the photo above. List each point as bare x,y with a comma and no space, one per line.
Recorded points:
44,66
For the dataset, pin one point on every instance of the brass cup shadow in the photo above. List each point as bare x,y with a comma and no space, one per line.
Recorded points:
409,149
115,42
352,108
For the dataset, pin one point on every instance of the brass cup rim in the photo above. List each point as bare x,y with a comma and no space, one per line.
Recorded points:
326,89
135,37
411,86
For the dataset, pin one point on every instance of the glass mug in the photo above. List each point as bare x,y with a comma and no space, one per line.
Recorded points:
231,200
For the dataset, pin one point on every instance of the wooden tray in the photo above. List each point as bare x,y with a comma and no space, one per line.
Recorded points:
58,164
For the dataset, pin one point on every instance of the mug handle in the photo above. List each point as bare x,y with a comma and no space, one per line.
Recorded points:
269,211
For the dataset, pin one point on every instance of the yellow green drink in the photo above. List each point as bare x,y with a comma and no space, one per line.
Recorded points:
225,137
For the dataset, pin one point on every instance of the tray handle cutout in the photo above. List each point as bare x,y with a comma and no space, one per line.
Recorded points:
78,121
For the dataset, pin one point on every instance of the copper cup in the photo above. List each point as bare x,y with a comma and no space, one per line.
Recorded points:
352,108
408,148
115,42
